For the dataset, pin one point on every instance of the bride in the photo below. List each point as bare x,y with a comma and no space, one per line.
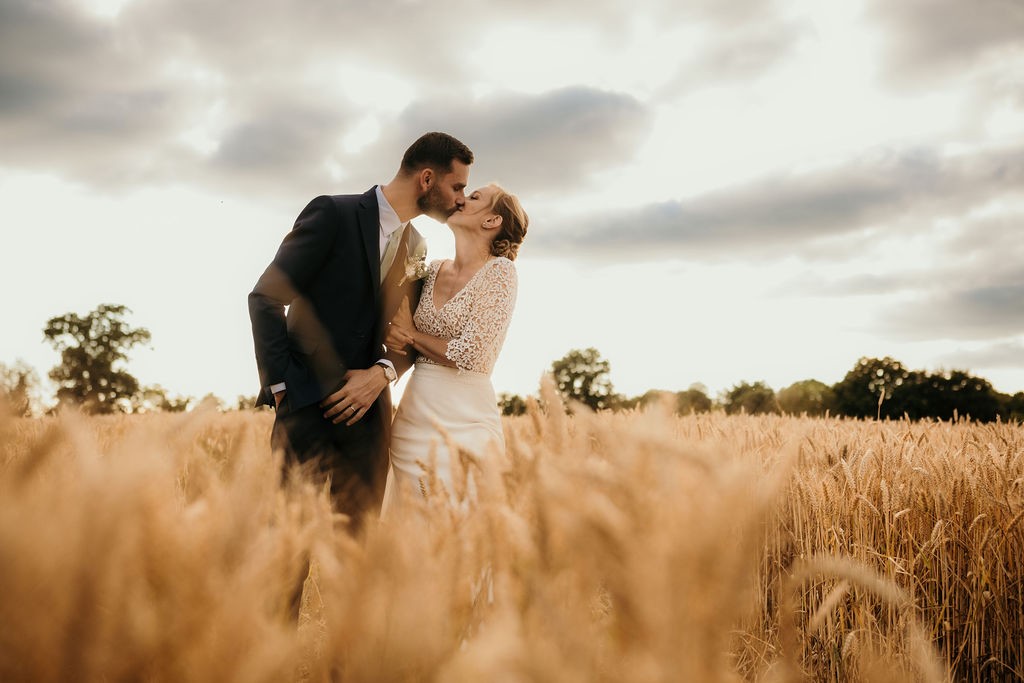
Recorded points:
457,330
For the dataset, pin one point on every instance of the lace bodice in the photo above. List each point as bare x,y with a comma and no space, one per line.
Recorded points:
475,320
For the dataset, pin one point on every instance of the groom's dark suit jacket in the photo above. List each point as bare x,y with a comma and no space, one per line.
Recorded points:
327,273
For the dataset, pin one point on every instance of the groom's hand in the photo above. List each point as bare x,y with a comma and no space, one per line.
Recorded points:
350,403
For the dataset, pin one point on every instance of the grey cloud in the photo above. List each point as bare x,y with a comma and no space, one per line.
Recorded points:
280,139
990,245
817,283
1003,354
792,213
974,312
78,98
928,40
415,39
737,55
968,285
532,144
975,287
725,13
110,102
284,36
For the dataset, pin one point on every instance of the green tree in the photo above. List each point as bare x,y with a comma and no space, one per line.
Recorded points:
511,404
807,396
211,402
753,399
19,389
970,396
866,387
1012,407
92,350
943,395
585,377
248,403
155,398
693,400
649,397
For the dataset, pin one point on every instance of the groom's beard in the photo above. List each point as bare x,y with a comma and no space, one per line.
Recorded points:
432,204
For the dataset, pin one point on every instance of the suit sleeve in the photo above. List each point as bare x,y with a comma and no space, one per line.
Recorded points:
300,257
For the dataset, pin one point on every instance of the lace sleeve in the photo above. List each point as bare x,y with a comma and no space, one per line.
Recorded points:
494,298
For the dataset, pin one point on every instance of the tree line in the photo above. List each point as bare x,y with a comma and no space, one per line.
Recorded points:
94,348
880,388
92,374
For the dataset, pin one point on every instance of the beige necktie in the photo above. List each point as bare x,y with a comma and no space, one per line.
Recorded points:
390,249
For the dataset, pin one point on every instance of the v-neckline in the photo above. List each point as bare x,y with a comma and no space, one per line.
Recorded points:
433,302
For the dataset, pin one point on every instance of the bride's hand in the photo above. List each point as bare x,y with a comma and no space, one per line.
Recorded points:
398,338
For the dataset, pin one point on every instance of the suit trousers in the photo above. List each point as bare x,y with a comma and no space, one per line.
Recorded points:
354,458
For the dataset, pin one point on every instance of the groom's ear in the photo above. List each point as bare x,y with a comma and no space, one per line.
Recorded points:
426,179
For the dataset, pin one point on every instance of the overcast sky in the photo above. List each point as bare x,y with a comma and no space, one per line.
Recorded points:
719,190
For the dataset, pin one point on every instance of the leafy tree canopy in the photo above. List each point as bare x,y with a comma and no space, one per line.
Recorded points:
92,351
511,404
19,389
753,399
806,397
585,377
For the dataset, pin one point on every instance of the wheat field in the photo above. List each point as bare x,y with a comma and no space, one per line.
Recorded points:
635,546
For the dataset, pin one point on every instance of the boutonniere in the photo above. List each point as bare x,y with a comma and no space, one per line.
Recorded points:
416,265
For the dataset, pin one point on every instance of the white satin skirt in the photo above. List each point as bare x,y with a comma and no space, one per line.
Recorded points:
441,405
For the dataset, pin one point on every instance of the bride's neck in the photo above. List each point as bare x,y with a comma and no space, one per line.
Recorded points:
470,253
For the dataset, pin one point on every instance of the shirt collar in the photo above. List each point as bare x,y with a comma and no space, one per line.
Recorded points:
389,221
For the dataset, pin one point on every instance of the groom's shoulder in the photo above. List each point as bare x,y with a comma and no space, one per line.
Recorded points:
366,199
343,205
340,204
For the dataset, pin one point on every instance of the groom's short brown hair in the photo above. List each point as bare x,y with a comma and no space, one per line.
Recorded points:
437,151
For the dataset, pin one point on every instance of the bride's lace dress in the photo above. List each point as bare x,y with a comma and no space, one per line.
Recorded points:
442,403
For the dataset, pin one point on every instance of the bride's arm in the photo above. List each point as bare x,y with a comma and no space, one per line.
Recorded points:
478,344
425,344
432,347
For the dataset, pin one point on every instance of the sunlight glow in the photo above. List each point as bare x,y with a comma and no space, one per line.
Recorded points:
104,9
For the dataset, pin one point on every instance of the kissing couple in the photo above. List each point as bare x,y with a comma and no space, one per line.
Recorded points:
349,304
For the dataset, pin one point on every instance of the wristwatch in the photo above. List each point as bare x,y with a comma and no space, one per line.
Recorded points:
389,372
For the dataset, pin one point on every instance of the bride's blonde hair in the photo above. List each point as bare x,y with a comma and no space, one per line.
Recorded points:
514,222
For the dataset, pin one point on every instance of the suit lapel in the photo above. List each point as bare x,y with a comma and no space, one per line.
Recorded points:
393,290
369,228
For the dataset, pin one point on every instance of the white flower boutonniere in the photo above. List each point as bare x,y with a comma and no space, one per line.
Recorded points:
416,265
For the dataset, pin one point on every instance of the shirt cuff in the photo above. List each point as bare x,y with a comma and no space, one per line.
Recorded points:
276,388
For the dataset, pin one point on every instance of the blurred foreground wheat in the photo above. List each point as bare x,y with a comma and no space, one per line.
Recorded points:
609,547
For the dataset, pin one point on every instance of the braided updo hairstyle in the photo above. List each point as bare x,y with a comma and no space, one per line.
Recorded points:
514,222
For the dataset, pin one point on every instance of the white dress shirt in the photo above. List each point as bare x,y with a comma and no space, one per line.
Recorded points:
389,221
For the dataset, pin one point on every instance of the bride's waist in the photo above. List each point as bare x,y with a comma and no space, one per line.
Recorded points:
429,367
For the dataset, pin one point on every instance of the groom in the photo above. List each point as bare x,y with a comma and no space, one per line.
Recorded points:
319,314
